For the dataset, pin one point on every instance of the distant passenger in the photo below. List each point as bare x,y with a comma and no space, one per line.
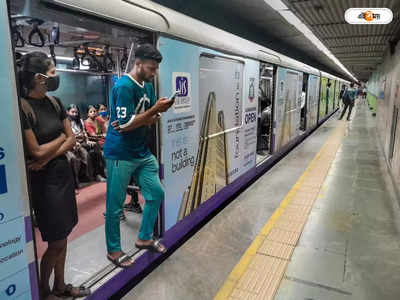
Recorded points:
103,117
86,155
133,108
364,93
328,87
95,127
48,136
348,101
341,95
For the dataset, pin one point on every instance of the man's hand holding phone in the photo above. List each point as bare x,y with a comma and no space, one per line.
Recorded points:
164,104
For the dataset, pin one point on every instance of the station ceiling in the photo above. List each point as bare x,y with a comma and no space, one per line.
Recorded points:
360,48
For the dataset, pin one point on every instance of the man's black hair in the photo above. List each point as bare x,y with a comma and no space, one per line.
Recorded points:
148,51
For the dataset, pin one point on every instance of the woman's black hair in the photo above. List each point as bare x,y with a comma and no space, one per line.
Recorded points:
99,105
31,64
91,106
71,106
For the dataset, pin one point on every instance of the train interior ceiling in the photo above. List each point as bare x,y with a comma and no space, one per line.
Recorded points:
90,55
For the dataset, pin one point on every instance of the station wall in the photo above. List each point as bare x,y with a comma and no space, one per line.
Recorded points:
384,93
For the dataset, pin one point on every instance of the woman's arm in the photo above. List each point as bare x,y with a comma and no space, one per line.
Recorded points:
43,151
69,142
66,145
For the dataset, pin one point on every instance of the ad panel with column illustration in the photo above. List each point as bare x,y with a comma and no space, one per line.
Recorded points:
287,106
209,137
312,100
322,98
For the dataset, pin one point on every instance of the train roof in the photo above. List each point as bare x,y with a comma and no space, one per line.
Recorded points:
154,17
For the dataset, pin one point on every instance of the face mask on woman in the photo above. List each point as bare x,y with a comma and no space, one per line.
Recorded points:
103,114
75,118
52,82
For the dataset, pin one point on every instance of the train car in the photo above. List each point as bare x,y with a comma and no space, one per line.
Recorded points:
243,105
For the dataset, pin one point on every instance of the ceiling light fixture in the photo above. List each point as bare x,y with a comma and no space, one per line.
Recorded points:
291,18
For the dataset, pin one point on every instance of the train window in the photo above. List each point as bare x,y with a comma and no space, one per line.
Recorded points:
264,120
90,55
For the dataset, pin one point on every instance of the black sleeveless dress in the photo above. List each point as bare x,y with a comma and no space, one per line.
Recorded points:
52,188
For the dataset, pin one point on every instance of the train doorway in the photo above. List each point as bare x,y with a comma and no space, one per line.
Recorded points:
265,104
90,55
304,96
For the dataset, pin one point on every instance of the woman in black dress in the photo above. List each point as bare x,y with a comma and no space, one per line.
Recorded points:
48,136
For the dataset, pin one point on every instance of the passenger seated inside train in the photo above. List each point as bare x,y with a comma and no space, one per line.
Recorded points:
103,114
86,159
94,126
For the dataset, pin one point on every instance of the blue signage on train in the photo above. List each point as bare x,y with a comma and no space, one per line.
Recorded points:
3,181
182,86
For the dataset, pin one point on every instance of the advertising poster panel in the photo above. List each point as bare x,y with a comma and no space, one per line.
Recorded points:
287,106
322,98
331,96
209,137
14,272
312,100
337,92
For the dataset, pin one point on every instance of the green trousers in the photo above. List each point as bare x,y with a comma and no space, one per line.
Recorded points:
119,173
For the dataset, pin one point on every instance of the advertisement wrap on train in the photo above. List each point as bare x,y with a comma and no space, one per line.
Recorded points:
14,271
209,138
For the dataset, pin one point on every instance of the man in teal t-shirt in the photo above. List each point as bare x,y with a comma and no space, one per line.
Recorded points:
133,108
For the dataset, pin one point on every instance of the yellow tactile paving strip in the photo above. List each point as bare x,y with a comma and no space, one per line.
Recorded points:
259,272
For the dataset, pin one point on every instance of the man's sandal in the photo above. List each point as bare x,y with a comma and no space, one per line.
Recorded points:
119,261
68,292
155,246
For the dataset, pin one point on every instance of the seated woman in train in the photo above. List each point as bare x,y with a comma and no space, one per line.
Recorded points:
94,127
103,116
48,136
86,155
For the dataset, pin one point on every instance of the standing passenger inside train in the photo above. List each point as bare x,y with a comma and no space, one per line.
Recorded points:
133,108
341,94
94,127
48,136
348,100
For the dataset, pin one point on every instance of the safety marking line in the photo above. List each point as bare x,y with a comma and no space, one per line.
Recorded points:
258,273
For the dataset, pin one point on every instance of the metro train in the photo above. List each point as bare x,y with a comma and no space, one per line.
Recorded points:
240,108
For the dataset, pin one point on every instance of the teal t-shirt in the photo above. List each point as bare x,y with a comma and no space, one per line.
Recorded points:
128,98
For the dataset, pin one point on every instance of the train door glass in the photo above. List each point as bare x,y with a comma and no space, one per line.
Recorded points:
264,121
303,105
90,56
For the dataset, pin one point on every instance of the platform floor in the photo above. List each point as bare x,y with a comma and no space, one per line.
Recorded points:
348,248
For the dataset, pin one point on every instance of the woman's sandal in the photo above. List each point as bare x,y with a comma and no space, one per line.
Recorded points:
82,292
155,246
120,260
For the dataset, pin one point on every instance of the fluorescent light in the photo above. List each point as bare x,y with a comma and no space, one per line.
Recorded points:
277,5
292,19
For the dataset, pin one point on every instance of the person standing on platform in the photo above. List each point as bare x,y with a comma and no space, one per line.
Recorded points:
349,97
133,108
